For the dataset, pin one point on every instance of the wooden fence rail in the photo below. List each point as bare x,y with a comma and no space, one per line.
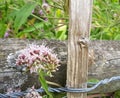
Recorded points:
104,62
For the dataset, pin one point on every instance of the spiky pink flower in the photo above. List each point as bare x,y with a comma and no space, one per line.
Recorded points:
36,57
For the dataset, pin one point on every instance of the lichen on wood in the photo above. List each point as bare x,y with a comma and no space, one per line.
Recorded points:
106,62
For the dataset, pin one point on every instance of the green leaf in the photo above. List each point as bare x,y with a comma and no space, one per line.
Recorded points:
61,33
58,13
3,28
22,15
43,83
93,80
117,94
33,28
117,37
45,96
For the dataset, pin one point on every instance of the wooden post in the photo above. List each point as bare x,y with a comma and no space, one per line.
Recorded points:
79,31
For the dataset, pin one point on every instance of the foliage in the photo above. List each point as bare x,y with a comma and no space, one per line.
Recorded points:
106,20
40,19
32,19
117,94
93,80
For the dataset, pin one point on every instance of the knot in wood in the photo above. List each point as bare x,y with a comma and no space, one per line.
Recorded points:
83,42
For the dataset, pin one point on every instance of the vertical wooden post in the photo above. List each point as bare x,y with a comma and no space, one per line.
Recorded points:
79,31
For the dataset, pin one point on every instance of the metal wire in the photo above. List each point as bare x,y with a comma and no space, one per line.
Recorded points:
64,89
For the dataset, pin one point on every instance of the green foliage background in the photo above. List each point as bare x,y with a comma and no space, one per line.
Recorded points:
106,20
35,19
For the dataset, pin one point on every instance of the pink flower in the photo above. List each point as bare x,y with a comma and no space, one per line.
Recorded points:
36,58
33,11
32,93
41,12
6,34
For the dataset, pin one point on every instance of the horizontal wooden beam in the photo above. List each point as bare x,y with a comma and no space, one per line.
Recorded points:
104,62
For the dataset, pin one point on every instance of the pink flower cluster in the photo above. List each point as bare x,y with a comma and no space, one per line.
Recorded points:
32,93
36,57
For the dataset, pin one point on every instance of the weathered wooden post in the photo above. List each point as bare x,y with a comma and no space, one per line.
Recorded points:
79,31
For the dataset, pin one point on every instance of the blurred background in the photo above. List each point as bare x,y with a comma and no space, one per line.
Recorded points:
49,19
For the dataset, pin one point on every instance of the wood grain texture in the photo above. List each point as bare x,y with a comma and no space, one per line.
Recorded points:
106,63
78,36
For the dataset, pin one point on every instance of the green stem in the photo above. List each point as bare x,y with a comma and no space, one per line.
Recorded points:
58,7
43,83
62,18
38,17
